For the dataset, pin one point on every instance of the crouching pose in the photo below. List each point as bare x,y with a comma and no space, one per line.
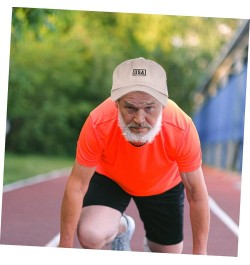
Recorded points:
137,144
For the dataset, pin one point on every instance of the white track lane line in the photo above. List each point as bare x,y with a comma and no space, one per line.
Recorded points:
54,242
36,179
223,216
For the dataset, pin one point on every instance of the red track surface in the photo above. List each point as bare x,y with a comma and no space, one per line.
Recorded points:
30,215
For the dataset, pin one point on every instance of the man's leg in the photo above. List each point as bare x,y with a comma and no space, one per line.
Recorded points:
101,225
102,219
98,226
162,216
150,246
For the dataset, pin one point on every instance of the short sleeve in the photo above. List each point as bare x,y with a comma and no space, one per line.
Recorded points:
88,151
189,155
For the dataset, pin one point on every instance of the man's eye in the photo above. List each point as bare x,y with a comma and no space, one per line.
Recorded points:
129,108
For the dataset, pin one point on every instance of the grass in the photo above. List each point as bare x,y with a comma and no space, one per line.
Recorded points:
17,167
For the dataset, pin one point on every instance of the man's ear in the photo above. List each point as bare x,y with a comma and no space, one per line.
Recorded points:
116,103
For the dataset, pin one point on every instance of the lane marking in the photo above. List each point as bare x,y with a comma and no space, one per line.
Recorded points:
223,216
36,179
54,242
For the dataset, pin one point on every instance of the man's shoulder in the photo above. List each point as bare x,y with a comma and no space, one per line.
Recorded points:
104,112
174,116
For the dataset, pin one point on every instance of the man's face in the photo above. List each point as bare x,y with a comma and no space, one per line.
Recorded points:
139,116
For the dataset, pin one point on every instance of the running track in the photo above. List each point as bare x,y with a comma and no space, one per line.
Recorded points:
31,211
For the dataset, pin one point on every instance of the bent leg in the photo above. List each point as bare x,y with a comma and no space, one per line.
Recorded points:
98,226
162,216
103,205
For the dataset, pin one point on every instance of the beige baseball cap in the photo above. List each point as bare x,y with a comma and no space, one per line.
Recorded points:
140,74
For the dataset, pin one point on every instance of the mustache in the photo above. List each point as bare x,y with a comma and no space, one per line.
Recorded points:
137,126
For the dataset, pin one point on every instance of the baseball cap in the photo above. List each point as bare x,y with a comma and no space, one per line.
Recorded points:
140,74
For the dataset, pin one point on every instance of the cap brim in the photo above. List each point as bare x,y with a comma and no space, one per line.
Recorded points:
120,92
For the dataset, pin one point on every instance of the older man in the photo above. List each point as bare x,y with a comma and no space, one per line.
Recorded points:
137,144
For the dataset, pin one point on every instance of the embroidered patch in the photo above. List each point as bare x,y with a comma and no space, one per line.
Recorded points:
140,72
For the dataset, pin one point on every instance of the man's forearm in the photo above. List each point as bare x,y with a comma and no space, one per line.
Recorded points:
70,213
197,196
200,222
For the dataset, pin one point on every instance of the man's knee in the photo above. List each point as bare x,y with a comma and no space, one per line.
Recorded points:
98,226
90,238
93,236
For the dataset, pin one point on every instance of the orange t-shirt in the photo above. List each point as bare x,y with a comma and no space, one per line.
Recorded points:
141,171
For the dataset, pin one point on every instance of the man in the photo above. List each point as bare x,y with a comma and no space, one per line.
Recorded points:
137,144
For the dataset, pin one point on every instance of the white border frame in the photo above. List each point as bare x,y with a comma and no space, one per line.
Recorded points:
224,8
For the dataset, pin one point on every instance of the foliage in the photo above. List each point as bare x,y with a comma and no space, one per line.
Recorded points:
62,61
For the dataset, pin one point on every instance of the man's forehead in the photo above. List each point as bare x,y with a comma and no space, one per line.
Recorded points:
131,102
139,98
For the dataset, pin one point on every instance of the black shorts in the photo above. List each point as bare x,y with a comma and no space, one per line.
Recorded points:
162,215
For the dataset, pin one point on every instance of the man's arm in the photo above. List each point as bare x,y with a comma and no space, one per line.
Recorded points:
197,196
75,191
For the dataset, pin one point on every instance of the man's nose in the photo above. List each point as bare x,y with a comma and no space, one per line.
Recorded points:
139,117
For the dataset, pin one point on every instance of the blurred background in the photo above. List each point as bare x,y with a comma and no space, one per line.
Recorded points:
61,65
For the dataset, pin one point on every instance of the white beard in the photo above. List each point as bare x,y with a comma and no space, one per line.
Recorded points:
140,137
